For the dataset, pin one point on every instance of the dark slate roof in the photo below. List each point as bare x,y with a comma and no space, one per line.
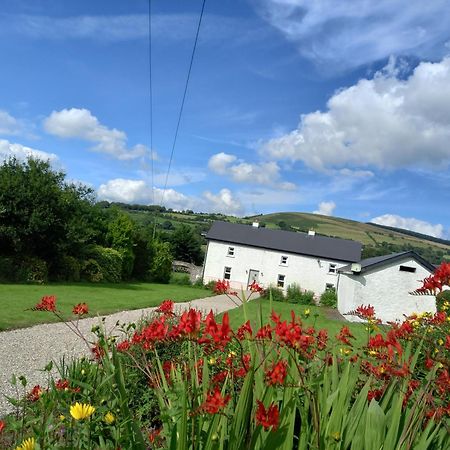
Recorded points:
376,261
286,241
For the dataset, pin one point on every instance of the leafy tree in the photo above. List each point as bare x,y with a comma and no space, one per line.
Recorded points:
186,245
161,266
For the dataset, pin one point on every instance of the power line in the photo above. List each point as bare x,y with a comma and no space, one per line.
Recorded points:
183,100
151,95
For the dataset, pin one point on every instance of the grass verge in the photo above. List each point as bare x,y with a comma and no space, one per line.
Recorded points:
16,299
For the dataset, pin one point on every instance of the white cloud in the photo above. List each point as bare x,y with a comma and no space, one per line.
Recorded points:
409,223
264,173
9,124
81,124
223,202
19,151
349,33
325,208
137,191
383,122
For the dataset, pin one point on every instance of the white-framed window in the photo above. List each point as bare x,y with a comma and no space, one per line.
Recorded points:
230,251
281,280
227,273
332,268
284,260
407,269
330,286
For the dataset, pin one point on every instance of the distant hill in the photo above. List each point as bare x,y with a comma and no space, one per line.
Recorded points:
376,239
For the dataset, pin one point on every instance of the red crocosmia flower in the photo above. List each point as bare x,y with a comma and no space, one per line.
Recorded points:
322,339
267,417
190,322
344,334
154,436
222,287
166,307
375,393
277,374
62,385
220,333
244,331
2,425
264,332
255,287
47,303
429,363
35,393
80,309
123,346
365,312
219,377
98,351
439,318
447,342
214,402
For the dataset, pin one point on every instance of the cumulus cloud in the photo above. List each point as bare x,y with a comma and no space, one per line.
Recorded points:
325,208
9,124
19,151
81,124
265,173
410,223
137,191
349,33
384,122
223,202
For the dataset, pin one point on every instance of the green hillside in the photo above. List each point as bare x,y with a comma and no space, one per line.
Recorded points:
376,239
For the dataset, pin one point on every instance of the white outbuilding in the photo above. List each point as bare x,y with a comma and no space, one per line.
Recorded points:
386,283
243,253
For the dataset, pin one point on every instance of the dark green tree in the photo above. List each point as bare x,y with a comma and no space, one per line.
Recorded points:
161,265
186,245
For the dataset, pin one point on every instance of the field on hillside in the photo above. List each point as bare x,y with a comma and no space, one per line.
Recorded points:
17,299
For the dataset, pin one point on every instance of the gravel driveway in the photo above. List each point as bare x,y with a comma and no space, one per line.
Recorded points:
27,351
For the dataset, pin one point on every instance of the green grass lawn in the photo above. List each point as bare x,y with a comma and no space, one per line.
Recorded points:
317,318
15,299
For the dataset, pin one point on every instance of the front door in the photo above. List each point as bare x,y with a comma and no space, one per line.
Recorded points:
253,276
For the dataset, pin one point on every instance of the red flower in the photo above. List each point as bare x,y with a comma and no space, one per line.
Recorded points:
267,418
35,393
80,309
244,330
98,351
154,436
255,287
344,334
264,332
375,393
2,425
47,304
277,374
123,346
322,339
62,385
220,333
223,287
214,402
190,322
166,308
365,312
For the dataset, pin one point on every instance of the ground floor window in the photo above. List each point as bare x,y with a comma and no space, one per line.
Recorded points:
329,287
227,273
281,280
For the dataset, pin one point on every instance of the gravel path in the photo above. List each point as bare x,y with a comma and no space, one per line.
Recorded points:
27,351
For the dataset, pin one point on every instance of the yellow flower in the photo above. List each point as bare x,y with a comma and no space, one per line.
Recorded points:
212,360
27,444
373,353
440,342
62,417
336,436
81,411
345,351
307,312
109,418
231,354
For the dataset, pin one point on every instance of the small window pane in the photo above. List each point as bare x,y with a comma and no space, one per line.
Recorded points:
407,269
329,287
332,268
281,280
227,273
230,251
284,260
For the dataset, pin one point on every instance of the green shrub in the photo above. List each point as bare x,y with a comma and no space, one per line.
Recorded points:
91,271
294,294
307,298
276,293
329,298
161,267
109,263
33,270
68,269
182,279
8,269
441,299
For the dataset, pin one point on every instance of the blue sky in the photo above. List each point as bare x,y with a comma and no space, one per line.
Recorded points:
341,108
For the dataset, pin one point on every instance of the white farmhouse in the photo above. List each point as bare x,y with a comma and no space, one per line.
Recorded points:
242,254
385,282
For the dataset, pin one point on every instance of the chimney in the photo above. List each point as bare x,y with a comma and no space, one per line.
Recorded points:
255,224
311,233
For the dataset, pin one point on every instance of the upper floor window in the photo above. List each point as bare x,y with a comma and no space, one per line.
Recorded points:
227,273
284,261
230,251
407,269
332,268
281,280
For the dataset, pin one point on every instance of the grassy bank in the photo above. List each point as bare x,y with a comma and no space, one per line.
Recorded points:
15,299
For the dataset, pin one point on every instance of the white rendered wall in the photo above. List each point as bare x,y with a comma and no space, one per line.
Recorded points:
387,289
309,272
